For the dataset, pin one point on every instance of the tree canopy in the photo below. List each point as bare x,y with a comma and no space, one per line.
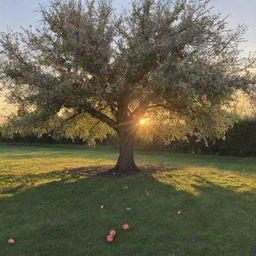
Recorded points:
173,62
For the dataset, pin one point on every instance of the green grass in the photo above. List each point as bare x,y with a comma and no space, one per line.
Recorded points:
61,214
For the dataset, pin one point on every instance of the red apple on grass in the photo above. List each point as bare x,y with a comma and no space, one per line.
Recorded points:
109,238
11,241
112,233
125,227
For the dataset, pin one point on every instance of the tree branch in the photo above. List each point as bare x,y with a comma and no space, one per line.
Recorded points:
100,116
70,118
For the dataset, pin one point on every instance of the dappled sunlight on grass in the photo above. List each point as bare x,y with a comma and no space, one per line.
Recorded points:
11,185
237,164
27,176
21,166
191,179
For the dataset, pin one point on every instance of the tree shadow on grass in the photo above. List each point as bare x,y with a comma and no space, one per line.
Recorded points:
65,217
228,163
11,183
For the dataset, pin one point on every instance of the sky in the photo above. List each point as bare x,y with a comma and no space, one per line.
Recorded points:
16,13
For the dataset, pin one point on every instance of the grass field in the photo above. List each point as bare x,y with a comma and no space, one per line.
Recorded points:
52,210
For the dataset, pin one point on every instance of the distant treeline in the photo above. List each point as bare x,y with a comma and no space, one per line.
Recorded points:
238,141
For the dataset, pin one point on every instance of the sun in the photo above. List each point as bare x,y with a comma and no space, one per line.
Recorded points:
142,121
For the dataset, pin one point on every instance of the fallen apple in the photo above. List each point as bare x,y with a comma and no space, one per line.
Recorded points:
109,238
112,233
125,227
11,241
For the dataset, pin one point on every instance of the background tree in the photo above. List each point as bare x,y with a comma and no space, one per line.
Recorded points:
170,61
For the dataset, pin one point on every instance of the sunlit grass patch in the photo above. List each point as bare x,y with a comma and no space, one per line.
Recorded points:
190,179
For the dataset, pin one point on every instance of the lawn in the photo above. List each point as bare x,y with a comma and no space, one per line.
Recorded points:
51,206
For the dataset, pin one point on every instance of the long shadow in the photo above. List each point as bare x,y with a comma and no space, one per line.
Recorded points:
237,164
21,182
72,217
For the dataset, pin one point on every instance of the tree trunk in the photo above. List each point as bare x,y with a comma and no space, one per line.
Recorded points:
125,163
